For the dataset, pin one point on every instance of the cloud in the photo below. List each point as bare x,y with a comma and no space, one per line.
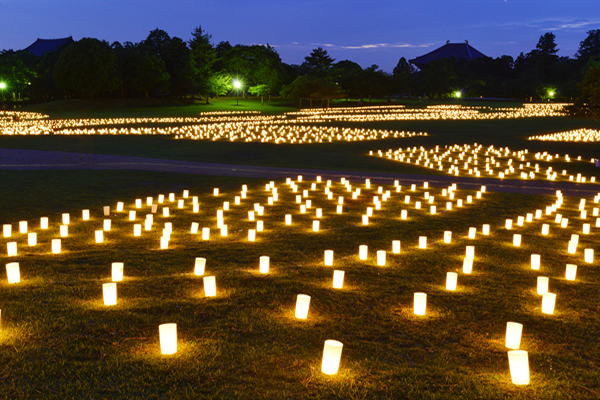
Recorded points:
546,24
366,46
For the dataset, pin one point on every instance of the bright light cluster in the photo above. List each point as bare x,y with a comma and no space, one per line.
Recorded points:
477,161
23,115
577,135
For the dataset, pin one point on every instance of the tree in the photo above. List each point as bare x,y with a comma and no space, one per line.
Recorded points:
311,87
589,47
145,72
318,62
440,76
589,102
220,84
203,57
260,90
403,76
87,67
347,74
547,45
14,73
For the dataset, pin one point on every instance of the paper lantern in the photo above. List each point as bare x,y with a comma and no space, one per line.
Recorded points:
422,242
339,209
328,258
264,264
99,236
117,271
109,293
194,228
195,208
106,225
210,286
432,210
586,229
11,249
315,226
180,204
251,235
572,247
542,285
518,363
588,255
420,303
403,214
332,354
199,265
470,252
338,279
85,215
205,233
120,206
164,242
154,208
513,335
571,272
12,272
447,236
548,301
545,229
486,229
44,223
564,222
106,211
365,220
168,338
451,278
520,221
224,230
161,198
467,265
418,205
516,240
381,258
288,219
302,305
260,226
363,250
56,246
148,224
508,224
137,230
64,230
22,226
396,246
149,201
165,211
132,215
319,213
535,261
66,219
32,238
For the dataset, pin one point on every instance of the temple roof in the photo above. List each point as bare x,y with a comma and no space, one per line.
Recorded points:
41,46
449,50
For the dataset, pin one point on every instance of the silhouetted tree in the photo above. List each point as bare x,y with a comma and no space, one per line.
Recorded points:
203,57
317,62
589,47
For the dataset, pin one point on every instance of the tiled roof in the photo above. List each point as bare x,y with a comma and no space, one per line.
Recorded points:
41,46
449,50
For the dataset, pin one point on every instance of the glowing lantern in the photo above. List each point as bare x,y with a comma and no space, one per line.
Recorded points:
195,208
332,353
420,303
472,232
109,293
215,191
586,229
55,246
251,235
168,338
64,230
137,230
194,228
165,211
132,215
44,223
32,238
545,229
589,255
535,261
470,252
422,242
339,209
403,214
508,224
106,225
205,233
22,226
264,264
149,201
548,301
381,258
12,272
396,246
288,219
199,266
571,272
467,265
85,215
260,226
99,236
338,279
328,258
542,285
486,229
572,248
224,230
302,305
516,240
365,220
120,206
210,286
518,363
315,226
432,210
564,222
106,210
451,278
363,250
164,243
447,236
180,204
513,335
319,213
520,221
11,248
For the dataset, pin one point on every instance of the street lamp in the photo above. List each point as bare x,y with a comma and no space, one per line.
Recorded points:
2,87
237,85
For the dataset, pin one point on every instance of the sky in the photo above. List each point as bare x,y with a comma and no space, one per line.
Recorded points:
365,31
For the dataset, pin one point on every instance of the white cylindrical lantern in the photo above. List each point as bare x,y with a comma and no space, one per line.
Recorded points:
339,209
168,338
251,235
403,214
396,246
508,224
520,220
319,213
338,279
165,211
485,229
7,230
22,226
12,272
164,242
513,335
586,229
422,242
518,362
588,255
447,236
535,261
120,206
32,238
66,219
572,247
106,211
470,252
11,249
106,225
194,228
56,246
328,258
381,258
205,233
137,230
210,286
302,305
548,302
288,219
109,293
467,265
264,264
44,223
432,210
99,236
64,230
542,285
85,215
332,354
545,229
451,279
315,226
199,265
117,271
571,272
260,226
516,240
132,215
420,303
180,204
363,251
365,220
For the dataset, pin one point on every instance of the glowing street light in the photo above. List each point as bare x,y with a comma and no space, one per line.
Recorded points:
237,85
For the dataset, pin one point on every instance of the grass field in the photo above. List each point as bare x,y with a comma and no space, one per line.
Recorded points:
58,340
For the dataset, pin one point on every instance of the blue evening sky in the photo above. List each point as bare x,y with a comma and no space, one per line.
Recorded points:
364,31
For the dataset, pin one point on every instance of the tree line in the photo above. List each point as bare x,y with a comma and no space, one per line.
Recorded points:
161,65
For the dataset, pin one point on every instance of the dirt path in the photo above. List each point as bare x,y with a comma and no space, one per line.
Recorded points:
19,159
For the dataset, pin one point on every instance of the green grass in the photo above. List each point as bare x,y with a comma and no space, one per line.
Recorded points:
59,341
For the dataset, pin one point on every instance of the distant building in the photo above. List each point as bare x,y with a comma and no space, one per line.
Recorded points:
458,51
41,46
